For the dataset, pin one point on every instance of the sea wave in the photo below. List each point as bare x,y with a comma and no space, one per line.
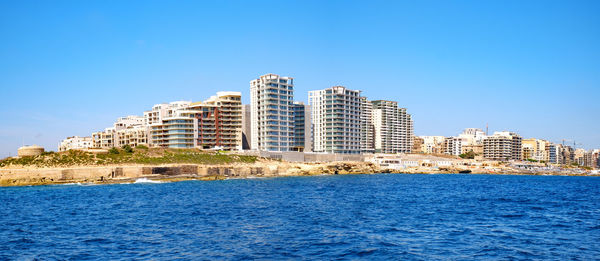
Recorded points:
146,180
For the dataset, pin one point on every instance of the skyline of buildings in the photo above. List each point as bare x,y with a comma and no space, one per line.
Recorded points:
335,120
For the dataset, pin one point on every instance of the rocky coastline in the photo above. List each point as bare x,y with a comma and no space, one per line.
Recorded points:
27,176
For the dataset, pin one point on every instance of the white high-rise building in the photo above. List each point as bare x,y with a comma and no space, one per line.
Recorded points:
336,120
271,100
393,128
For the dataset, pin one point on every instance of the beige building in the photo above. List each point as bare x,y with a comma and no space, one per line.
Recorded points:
129,130
535,149
215,123
131,136
104,139
585,158
502,146
433,144
417,145
477,149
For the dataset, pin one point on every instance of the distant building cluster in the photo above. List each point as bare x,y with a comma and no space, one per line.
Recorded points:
506,146
335,120
212,124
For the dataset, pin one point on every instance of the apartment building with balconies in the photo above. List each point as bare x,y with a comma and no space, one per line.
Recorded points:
336,121
433,144
392,127
219,121
503,146
215,123
454,145
535,149
130,130
272,119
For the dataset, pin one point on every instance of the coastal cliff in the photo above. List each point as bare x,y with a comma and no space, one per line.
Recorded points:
129,173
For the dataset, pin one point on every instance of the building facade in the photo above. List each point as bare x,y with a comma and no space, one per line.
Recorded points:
301,141
503,146
433,144
393,130
336,120
129,130
367,130
246,128
271,99
75,143
535,149
473,136
215,123
454,145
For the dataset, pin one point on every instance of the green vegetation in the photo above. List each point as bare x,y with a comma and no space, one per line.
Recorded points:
468,155
127,149
127,156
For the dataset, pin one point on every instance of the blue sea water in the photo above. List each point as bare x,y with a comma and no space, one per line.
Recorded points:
374,217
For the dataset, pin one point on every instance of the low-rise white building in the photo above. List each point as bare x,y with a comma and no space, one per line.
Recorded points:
453,145
75,143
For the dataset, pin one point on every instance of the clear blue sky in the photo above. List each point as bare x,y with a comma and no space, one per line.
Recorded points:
73,67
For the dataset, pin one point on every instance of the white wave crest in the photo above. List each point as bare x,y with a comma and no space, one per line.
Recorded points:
145,180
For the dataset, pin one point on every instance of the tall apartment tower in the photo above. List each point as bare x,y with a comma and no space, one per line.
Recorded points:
393,128
271,100
367,144
336,120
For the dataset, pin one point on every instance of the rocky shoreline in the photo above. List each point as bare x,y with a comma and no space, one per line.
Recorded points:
178,172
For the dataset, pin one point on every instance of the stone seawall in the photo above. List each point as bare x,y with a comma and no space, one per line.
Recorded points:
125,173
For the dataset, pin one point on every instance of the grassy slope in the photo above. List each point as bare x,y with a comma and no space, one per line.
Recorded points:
138,156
